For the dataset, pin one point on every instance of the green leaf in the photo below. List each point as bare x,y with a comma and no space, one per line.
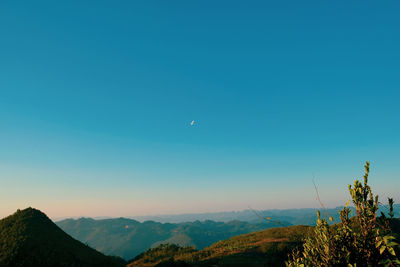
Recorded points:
391,251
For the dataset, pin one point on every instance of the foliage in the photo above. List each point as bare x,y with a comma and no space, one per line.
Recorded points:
365,240
164,253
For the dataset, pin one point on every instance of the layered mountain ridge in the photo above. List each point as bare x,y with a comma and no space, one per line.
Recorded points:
127,238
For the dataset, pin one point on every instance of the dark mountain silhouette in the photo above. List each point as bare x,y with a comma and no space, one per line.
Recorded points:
30,238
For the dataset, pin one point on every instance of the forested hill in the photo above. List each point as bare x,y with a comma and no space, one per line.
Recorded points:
264,248
30,238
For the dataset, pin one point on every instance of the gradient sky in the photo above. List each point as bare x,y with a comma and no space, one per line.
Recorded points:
96,100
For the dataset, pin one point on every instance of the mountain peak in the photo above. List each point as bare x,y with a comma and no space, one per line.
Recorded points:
29,238
29,214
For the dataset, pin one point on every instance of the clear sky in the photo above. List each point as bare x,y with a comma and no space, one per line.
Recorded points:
96,101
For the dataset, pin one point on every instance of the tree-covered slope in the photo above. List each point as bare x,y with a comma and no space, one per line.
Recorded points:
30,238
265,248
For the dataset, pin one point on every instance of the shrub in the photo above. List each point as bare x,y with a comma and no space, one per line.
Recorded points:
363,240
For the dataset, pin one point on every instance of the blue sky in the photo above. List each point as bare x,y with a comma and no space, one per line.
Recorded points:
96,103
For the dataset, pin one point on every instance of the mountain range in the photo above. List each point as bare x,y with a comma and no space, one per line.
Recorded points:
270,247
29,238
127,238
302,216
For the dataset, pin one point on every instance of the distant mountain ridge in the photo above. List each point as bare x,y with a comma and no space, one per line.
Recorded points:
30,238
127,238
301,216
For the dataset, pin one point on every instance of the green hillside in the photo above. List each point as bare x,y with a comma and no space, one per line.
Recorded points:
265,248
127,238
30,238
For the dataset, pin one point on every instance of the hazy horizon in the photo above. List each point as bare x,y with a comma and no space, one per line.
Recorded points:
166,215
135,108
